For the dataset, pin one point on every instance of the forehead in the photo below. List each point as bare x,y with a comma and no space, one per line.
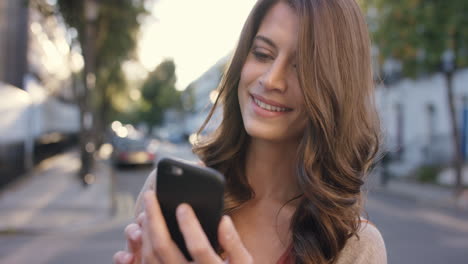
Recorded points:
280,24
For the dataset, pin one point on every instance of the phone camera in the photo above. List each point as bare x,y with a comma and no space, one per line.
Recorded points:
177,171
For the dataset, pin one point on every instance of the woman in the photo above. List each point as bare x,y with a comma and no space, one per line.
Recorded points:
298,135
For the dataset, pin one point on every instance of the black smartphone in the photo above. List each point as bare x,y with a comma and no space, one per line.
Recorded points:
203,188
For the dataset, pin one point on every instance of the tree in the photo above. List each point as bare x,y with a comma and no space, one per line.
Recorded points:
159,94
117,28
426,36
107,36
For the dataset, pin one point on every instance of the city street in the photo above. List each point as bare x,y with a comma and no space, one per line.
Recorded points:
413,232
91,88
93,245
416,233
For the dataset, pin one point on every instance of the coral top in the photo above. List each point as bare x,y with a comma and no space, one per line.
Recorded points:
370,248
286,258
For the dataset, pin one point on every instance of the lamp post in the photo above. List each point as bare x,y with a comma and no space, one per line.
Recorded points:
448,61
87,147
448,67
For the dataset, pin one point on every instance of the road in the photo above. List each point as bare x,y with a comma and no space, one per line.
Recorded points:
414,233
417,233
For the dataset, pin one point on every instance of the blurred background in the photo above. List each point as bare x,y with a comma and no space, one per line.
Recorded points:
94,92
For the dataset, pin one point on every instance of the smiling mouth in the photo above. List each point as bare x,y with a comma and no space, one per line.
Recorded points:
269,107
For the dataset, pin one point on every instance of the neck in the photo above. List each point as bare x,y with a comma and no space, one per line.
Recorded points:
271,169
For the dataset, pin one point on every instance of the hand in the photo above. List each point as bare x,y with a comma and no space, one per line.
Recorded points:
134,242
159,248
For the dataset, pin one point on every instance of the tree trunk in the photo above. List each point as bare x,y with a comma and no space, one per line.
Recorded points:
86,162
458,161
103,118
87,121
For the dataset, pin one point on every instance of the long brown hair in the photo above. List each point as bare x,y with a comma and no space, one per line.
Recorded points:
341,138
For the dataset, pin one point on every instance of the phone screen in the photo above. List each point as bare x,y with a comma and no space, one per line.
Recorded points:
202,188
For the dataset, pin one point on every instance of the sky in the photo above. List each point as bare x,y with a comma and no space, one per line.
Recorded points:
194,33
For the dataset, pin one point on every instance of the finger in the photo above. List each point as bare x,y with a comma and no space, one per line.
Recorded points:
154,224
231,243
140,219
123,257
195,238
134,241
148,256
134,238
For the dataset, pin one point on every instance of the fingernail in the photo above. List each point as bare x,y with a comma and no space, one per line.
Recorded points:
136,234
181,211
228,226
140,217
228,220
126,257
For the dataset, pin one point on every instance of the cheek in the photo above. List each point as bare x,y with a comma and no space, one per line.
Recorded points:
246,77
242,83
298,97
250,72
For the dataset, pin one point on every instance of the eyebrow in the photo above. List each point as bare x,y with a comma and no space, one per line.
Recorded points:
267,40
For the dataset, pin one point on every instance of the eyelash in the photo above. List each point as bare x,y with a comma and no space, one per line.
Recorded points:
264,57
261,56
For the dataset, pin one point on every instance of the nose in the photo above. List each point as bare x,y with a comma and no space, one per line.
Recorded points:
274,77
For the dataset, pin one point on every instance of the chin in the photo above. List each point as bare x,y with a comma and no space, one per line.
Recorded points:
267,133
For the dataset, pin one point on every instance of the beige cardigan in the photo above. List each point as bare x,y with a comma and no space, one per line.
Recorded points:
368,249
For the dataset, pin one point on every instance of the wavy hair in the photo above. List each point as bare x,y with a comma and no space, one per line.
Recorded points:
341,138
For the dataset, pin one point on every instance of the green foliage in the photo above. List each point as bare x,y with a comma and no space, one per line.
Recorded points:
428,173
117,27
159,94
417,32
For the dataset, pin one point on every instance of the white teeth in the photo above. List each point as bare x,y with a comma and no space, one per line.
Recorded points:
269,107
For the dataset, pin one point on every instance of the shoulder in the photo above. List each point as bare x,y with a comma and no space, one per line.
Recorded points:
368,247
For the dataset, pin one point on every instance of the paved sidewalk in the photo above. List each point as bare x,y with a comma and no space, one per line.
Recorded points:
51,198
430,194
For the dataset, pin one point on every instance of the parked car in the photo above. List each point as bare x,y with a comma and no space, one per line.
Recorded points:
132,151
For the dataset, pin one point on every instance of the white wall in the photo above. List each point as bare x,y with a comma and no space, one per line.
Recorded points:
14,114
415,96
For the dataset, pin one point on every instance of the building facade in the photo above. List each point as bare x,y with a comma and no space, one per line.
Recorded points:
416,120
14,41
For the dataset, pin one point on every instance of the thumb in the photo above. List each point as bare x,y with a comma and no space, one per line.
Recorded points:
232,244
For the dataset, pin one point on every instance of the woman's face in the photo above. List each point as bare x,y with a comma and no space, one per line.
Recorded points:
270,97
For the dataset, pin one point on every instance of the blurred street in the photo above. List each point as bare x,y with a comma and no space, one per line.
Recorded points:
48,217
93,244
85,115
419,233
414,231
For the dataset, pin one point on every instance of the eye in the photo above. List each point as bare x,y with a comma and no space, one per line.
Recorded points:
261,56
